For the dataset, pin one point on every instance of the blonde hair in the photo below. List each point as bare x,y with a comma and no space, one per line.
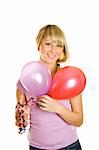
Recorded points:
56,35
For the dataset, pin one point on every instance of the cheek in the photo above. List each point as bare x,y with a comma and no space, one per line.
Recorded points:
59,54
42,49
42,53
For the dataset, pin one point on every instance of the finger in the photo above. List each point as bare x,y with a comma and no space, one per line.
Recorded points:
19,124
43,108
25,123
43,100
47,97
42,104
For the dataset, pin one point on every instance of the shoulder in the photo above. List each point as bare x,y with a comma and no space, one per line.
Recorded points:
20,88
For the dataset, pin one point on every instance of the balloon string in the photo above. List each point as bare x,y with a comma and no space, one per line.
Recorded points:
28,101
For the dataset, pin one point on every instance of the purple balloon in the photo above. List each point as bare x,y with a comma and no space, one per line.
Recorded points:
36,78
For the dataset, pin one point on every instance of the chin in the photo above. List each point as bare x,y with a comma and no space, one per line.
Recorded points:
51,60
48,60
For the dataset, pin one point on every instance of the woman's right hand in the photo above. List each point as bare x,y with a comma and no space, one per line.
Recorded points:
22,110
22,115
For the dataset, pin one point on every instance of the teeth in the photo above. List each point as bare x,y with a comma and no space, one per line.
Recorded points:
51,56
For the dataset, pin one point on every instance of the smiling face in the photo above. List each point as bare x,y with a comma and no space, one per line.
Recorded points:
52,45
50,51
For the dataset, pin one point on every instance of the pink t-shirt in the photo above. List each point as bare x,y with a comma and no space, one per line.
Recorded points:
48,130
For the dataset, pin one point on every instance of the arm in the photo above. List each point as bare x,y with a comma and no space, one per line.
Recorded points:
21,101
20,97
73,117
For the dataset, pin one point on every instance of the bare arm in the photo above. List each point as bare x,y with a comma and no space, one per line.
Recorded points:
73,117
20,97
21,101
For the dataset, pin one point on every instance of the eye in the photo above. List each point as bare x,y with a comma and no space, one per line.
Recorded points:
47,43
59,45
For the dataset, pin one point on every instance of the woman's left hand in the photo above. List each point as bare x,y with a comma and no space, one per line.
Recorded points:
49,104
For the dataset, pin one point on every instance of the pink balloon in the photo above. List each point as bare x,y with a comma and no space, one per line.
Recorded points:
36,78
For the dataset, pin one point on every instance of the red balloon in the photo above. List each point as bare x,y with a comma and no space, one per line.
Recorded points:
67,83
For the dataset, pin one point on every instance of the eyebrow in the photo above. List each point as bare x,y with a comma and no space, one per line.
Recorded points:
57,42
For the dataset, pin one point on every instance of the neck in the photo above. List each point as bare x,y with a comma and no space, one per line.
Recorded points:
52,67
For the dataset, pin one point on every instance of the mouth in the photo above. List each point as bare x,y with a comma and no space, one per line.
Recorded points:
51,56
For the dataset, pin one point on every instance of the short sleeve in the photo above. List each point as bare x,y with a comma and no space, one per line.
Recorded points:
20,87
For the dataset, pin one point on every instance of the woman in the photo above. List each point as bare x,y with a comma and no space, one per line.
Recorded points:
53,122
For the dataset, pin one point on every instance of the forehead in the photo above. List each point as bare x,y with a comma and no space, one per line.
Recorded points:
52,40
54,35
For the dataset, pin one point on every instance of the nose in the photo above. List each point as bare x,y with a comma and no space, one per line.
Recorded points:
53,47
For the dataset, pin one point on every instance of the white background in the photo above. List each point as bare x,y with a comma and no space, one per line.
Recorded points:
20,21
